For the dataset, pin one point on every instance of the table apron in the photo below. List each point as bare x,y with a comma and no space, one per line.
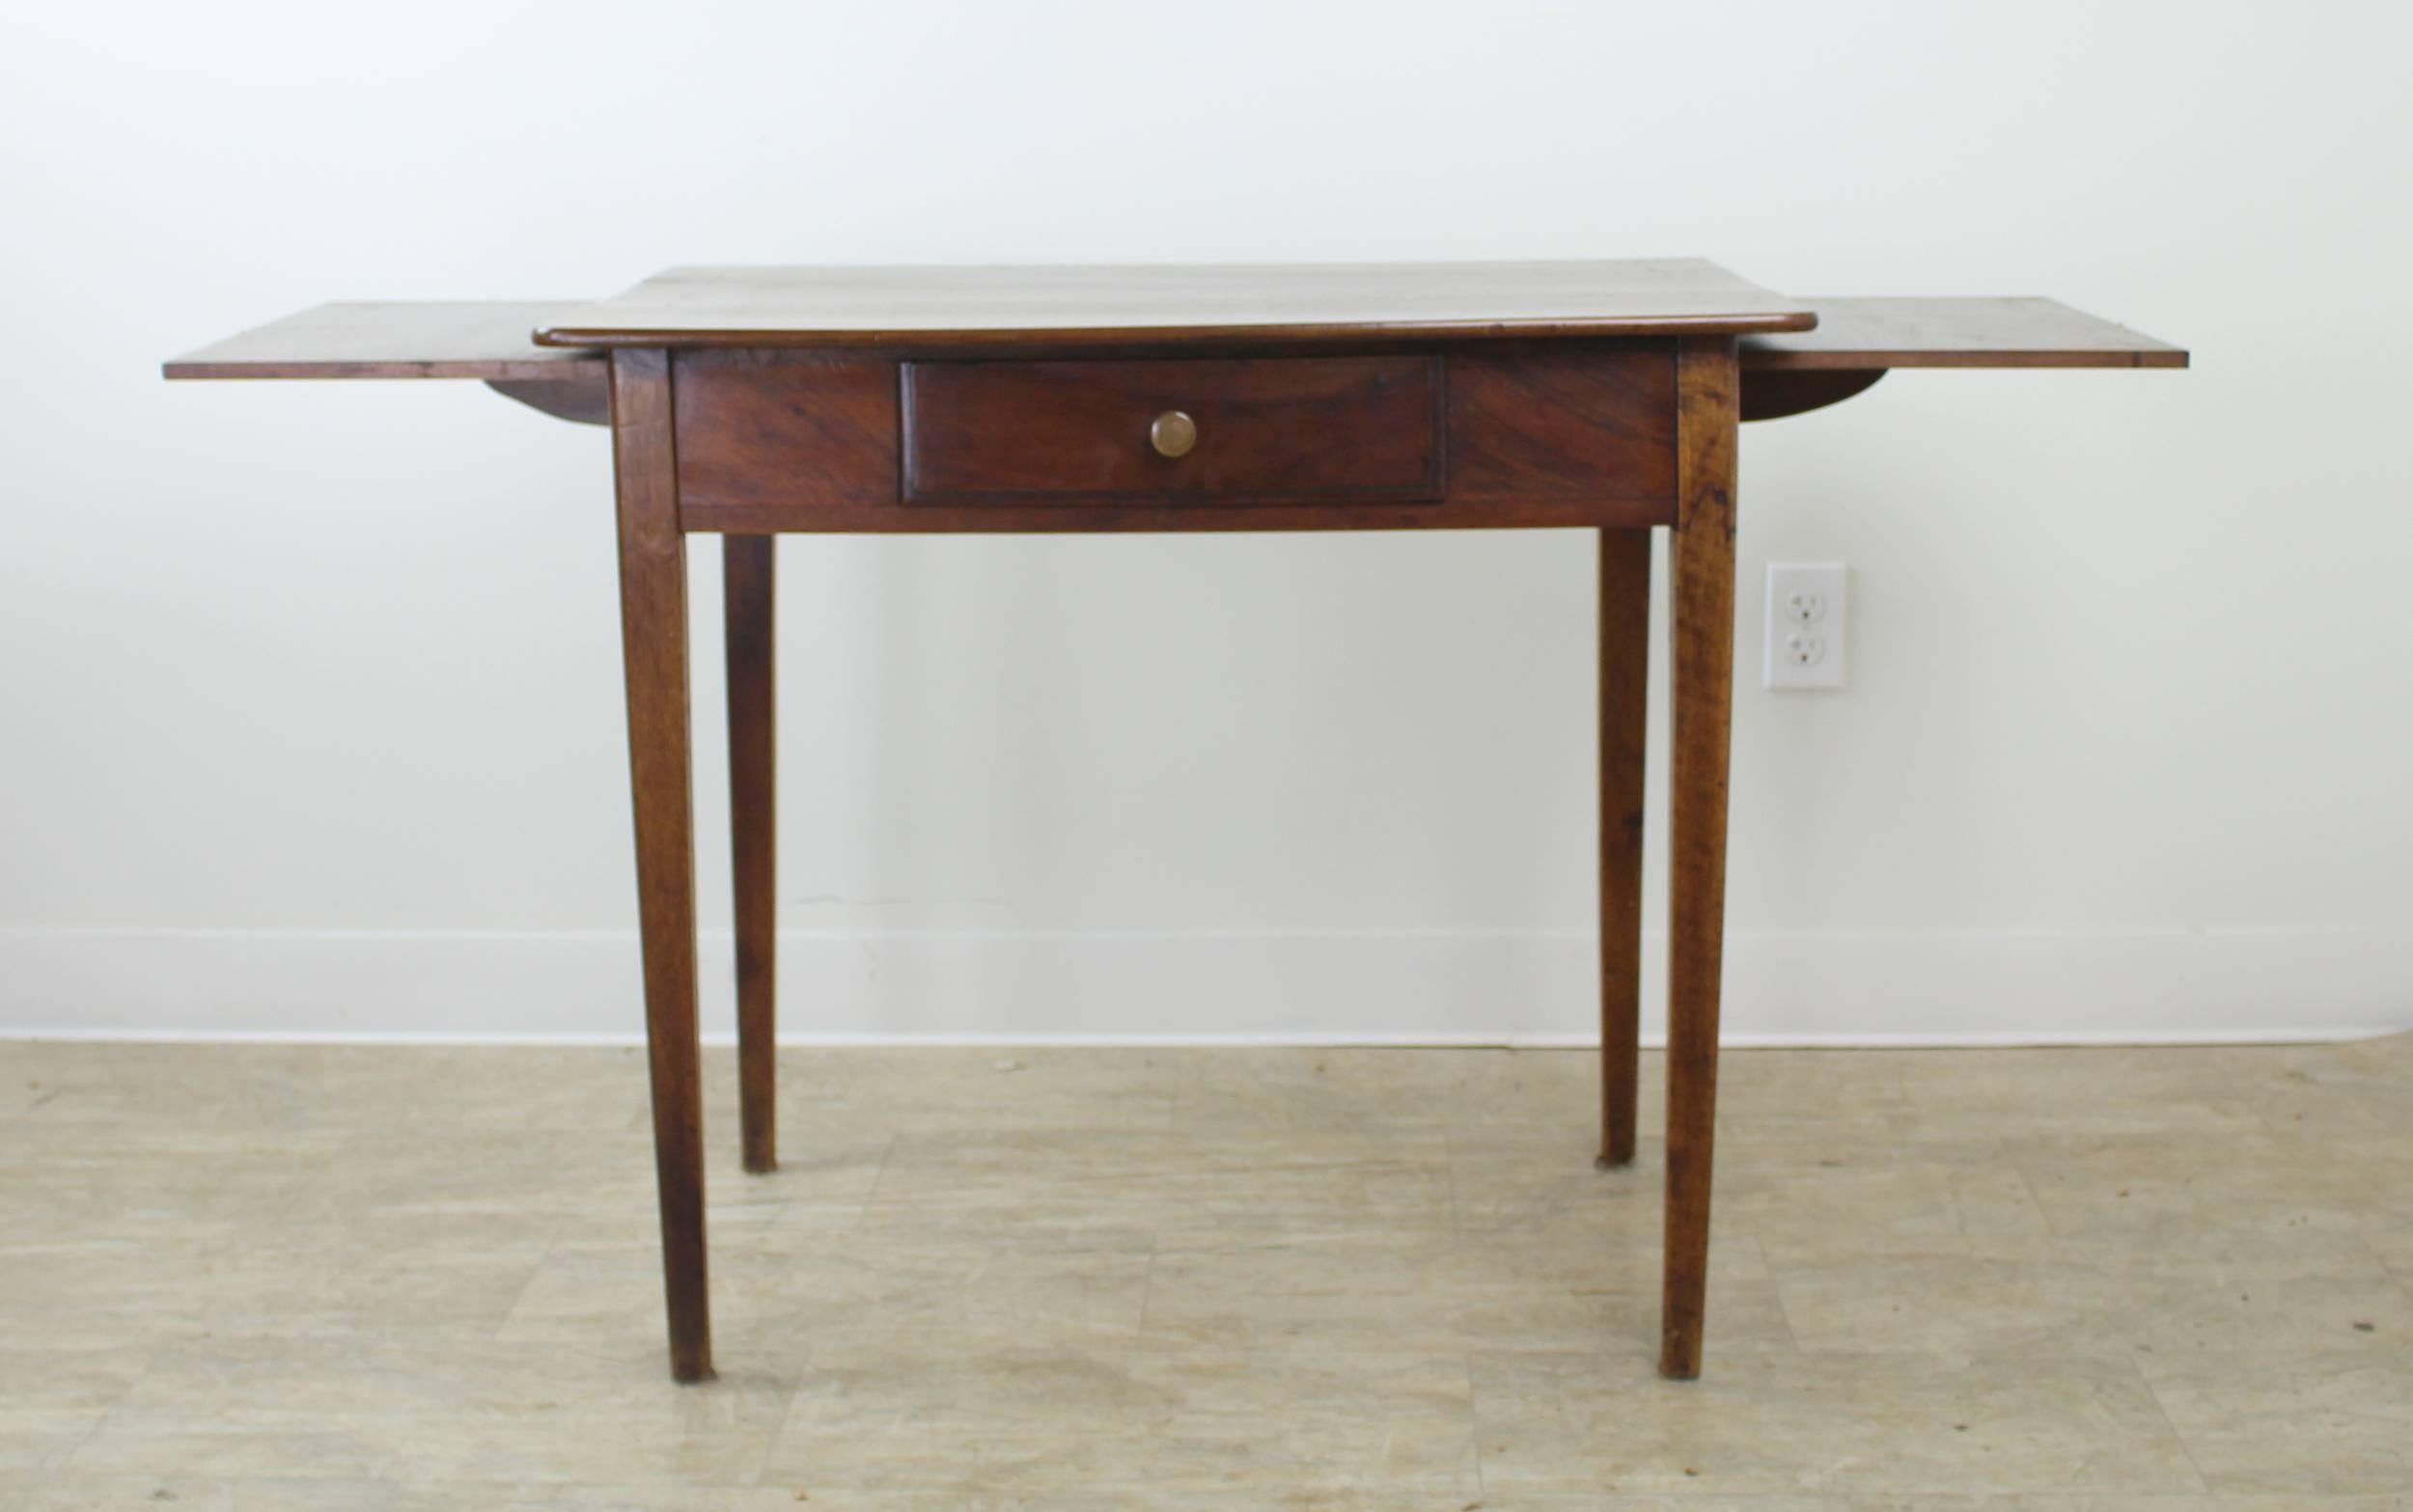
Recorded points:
1532,435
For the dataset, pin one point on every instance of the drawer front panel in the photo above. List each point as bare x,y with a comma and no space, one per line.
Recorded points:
1533,434
1286,431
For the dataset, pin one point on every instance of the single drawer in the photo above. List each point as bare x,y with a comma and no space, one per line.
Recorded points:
1275,430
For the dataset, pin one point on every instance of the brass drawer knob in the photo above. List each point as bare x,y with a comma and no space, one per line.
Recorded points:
1173,433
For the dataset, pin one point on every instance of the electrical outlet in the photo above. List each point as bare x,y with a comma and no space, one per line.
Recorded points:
1805,625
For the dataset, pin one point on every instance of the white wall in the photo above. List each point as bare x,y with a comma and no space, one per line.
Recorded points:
311,717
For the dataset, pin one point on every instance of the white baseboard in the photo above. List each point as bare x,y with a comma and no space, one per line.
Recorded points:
1466,987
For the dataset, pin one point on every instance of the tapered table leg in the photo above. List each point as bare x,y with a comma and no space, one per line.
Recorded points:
654,631
1624,671
747,599
1703,579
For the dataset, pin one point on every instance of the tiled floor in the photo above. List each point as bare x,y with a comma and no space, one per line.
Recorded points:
2115,1281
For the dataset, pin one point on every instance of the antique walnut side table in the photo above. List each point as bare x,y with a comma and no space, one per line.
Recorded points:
749,403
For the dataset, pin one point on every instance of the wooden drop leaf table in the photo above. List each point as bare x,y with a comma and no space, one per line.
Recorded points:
751,403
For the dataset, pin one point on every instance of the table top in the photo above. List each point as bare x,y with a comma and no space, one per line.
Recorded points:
492,339
484,338
1958,333
1161,306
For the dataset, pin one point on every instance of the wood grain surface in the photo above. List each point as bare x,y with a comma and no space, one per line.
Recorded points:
1702,551
1268,430
1957,332
1542,424
654,631
1625,599
750,632
1166,306
425,339
1538,434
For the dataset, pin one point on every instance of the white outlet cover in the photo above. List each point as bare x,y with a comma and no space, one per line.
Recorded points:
1805,602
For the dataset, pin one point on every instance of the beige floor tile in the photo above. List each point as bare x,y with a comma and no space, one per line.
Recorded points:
1167,1421
1370,1091
1821,1201
1515,1500
1842,1091
2075,1502
38,1439
823,1184
176,1492
684,1439
1679,1503
153,1194
608,1295
1521,1097
610,1498
2355,1090
53,1396
267,1277
308,1377
2383,1501
524,1180
782,1496
2175,1190
2164,1090
2391,1239
486,1497
2303,1424
1553,1190
297,1091
1440,1291
968,1091
148,1274
1076,1181
380,1410
454,1286
67,1291
1803,1199
1781,1422
2092,1303
133,1442
936,1289
598,1094
75,1493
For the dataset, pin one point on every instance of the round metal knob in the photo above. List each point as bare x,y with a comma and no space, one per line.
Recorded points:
1173,433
